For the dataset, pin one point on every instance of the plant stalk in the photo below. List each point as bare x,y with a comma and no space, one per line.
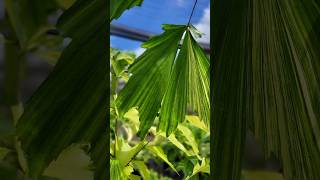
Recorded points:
192,11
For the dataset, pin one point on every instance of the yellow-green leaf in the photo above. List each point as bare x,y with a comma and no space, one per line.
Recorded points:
195,121
157,151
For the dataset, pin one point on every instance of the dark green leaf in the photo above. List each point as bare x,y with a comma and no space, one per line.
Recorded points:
65,4
93,13
230,93
286,84
117,7
13,72
266,75
99,154
261,175
70,105
7,171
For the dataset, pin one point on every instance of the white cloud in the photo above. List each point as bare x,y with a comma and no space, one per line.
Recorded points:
204,26
180,2
138,51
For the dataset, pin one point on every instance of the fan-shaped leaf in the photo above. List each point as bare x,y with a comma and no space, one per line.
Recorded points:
267,66
175,80
150,72
286,84
189,83
230,93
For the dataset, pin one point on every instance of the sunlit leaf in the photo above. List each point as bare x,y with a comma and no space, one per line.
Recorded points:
142,168
134,177
195,121
127,170
172,138
146,92
157,151
203,167
190,139
119,61
189,83
174,81
116,170
133,116
125,153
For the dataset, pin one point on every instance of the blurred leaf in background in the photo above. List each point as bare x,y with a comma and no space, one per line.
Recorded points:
72,163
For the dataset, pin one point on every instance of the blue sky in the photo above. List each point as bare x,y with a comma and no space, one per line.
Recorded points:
153,13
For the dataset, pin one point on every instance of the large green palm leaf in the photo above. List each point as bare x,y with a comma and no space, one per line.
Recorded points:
163,77
266,77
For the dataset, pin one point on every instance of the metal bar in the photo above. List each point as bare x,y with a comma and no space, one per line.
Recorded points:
140,35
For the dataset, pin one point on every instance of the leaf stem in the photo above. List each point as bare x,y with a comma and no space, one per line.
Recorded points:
114,83
114,87
115,138
192,12
134,156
